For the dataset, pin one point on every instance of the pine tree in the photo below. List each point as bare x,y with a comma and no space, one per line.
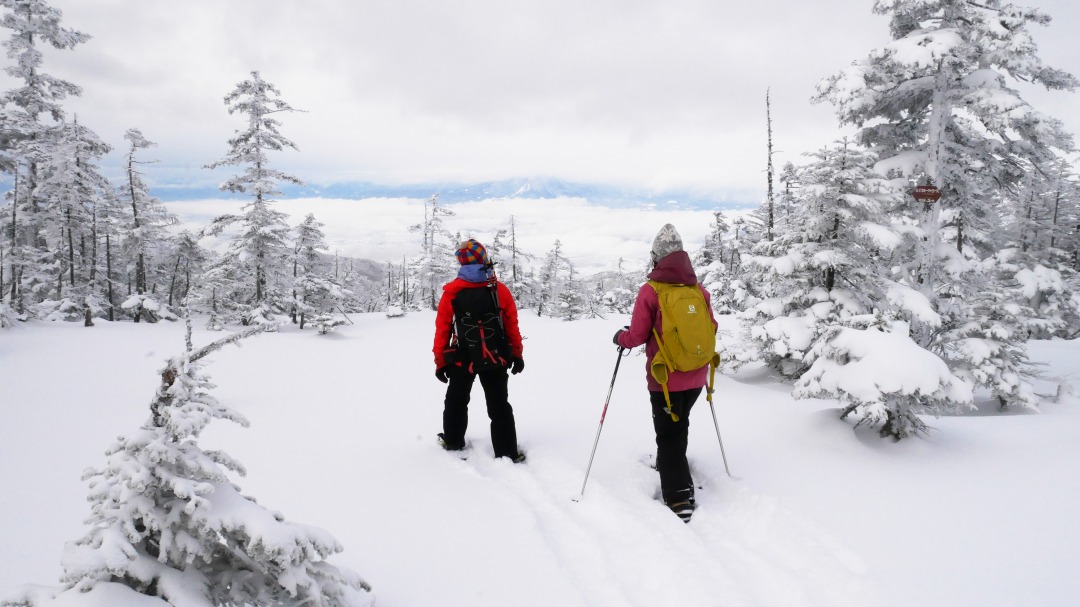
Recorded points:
434,266
571,301
513,263
31,115
168,521
550,284
73,193
261,244
188,260
857,366
832,264
144,239
936,105
714,273
621,289
315,294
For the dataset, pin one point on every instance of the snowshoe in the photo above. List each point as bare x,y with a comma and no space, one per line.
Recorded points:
683,509
462,448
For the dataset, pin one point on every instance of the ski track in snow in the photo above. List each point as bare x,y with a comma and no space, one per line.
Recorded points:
342,437
739,549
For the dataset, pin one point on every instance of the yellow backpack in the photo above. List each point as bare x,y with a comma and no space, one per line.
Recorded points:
688,341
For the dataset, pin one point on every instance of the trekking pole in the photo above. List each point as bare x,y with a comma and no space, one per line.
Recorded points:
602,416
717,425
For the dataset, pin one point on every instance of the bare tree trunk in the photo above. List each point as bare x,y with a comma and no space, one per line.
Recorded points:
769,222
108,277
71,249
172,281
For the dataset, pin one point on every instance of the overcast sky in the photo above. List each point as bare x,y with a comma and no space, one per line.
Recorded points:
654,93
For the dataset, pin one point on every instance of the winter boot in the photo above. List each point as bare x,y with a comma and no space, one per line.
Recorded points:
448,446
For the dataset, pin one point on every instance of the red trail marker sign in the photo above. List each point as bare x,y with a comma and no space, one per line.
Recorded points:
926,193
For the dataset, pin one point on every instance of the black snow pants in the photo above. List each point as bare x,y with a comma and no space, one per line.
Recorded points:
676,484
456,409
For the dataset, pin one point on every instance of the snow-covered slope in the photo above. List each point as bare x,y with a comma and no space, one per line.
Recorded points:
983,512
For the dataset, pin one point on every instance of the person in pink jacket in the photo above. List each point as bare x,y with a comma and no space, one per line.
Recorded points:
670,265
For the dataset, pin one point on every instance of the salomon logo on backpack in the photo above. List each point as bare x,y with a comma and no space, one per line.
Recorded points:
480,335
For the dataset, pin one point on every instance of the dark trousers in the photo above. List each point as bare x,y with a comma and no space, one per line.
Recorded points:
456,409
676,484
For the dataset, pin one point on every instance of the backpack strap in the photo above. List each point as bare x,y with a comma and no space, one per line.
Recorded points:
659,369
493,283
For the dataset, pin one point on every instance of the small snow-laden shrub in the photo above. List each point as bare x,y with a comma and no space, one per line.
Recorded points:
168,523
1055,307
990,351
327,323
7,315
214,323
259,315
65,310
984,340
141,306
619,299
395,311
884,376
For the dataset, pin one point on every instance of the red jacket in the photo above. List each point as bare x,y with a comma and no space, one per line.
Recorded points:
444,319
675,269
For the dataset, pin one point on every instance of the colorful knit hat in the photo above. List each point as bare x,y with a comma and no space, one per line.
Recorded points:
470,252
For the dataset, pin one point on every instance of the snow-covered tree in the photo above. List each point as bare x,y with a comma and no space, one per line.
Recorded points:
551,283
620,289
261,245
713,271
571,300
858,367
169,522
315,293
31,114
831,264
73,194
512,263
145,238
187,261
435,265
936,103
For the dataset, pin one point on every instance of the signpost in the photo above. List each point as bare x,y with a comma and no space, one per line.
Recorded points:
926,193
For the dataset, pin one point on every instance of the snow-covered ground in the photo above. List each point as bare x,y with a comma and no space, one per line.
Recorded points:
985,511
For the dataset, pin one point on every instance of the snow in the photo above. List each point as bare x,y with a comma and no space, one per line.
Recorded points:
870,373
1039,279
342,437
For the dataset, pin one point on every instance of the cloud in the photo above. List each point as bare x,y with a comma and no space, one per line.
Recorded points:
657,94
593,237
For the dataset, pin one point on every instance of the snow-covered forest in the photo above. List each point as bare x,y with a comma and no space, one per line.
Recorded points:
841,286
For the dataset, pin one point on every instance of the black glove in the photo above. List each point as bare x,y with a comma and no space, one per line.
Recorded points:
440,373
615,340
517,366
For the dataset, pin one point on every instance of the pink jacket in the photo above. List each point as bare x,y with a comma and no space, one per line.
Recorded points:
676,269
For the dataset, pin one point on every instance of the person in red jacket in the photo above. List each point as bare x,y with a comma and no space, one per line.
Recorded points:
670,265
477,335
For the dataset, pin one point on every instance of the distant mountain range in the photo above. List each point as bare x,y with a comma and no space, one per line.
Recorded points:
520,188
